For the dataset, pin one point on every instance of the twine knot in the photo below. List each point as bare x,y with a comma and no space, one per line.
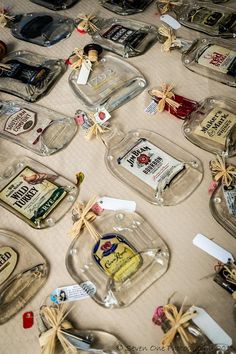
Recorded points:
5,17
96,128
221,172
166,97
167,5
229,274
76,59
168,33
86,24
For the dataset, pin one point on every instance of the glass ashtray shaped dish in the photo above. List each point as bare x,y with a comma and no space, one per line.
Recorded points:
126,7
127,258
56,4
112,83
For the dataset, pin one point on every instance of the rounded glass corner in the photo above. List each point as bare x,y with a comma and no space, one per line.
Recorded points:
111,83
23,273
212,126
34,192
212,58
161,172
127,7
30,76
42,28
143,258
56,5
220,211
35,128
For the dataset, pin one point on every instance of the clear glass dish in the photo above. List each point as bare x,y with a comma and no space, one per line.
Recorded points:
34,192
126,7
35,127
221,207
112,83
127,258
212,58
29,75
42,28
23,271
127,38
157,169
212,126
56,4
214,20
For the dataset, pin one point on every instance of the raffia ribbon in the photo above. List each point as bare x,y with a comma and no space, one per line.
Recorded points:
55,318
95,129
5,17
77,59
167,5
86,24
86,217
229,274
169,34
234,295
165,96
178,322
222,173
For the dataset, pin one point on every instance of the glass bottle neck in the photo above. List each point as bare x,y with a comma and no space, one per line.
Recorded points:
112,137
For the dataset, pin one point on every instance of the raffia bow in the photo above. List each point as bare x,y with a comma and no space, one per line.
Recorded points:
77,59
168,33
86,24
5,17
221,172
86,217
178,322
95,129
229,274
55,318
165,96
167,5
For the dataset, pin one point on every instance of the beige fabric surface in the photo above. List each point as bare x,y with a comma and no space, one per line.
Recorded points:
177,225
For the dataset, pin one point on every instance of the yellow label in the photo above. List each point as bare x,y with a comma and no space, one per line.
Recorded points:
217,58
117,258
216,125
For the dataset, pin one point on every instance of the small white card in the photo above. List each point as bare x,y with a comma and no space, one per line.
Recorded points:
84,72
151,108
102,116
212,248
171,21
117,204
73,292
210,328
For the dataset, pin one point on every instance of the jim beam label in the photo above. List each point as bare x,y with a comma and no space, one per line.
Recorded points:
230,198
8,261
217,125
22,120
217,58
150,164
116,257
32,194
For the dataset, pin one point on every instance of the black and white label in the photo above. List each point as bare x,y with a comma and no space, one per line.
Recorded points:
230,198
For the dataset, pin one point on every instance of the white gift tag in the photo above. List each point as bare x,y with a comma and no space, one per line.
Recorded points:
212,248
73,292
151,108
84,72
117,204
102,116
171,21
210,328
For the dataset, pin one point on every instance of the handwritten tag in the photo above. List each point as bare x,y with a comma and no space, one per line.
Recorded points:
114,204
171,21
84,72
212,248
73,292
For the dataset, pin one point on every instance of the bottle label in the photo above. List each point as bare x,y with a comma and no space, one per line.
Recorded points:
32,194
217,125
123,35
230,198
8,261
218,58
106,82
116,257
205,16
150,164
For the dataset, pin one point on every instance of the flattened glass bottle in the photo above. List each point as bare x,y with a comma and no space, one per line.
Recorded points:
34,192
35,127
23,271
123,262
29,75
56,4
126,7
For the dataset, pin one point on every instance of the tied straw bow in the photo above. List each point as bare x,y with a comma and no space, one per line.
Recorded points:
178,321
165,96
167,5
168,33
230,274
5,17
55,318
95,129
221,172
86,216
77,58
86,24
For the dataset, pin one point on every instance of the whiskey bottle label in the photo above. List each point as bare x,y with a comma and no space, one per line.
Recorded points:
123,35
32,194
218,58
206,17
230,198
150,164
116,257
8,261
216,125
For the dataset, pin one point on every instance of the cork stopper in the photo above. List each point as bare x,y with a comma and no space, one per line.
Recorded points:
93,51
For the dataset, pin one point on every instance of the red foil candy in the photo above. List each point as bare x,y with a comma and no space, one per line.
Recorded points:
28,319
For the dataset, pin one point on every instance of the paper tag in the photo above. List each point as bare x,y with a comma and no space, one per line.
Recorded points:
102,116
210,328
151,108
73,292
84,72
117,204
171,21
212,248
